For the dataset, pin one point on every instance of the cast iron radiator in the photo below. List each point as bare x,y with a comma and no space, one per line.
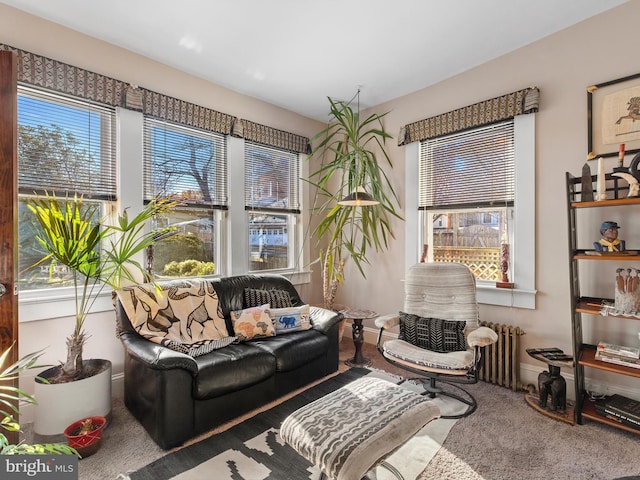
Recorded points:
501,361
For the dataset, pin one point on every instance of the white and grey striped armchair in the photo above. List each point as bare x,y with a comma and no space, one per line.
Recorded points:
439,335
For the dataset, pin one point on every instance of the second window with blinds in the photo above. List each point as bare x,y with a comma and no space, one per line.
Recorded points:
189,164
466,195
272,205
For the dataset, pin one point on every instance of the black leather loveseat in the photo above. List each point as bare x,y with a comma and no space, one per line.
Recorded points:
176,396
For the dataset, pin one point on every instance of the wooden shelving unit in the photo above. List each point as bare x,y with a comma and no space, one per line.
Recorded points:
586,308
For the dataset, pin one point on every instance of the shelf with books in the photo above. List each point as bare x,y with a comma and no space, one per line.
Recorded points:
589,411
588,359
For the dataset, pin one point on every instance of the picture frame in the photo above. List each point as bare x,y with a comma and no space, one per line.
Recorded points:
613,110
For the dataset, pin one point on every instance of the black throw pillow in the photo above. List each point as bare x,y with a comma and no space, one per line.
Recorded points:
432,333
276,298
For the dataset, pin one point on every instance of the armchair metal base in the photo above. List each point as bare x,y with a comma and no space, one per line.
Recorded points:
433,390
429,382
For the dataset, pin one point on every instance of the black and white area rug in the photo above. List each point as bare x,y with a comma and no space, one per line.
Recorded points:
253,450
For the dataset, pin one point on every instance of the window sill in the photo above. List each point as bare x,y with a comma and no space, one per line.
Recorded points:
48,304
299,277
506,297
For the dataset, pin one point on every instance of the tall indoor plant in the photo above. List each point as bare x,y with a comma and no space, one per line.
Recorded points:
351,153
99,255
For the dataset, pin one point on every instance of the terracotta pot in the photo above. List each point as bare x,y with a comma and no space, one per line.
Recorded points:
85,443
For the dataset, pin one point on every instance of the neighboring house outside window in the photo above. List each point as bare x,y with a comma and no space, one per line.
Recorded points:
272,204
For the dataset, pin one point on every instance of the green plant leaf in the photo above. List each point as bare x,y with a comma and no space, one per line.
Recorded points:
99,254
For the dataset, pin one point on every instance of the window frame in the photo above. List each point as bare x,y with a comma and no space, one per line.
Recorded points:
31,301
292,213
220,197
523,244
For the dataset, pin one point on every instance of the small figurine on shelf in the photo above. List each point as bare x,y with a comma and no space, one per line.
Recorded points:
627,294
609,241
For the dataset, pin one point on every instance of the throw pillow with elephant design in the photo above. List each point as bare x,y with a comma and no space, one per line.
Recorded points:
253,322
291,319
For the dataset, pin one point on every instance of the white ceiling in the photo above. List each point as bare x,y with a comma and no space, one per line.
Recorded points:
296,53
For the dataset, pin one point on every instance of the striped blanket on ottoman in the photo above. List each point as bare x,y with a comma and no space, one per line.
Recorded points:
349,431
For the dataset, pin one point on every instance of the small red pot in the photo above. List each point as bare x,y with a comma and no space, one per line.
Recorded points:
87,443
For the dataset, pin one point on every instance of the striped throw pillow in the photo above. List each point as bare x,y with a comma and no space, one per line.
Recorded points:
275,298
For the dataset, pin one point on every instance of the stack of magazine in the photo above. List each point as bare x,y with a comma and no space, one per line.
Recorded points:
620,409
618,354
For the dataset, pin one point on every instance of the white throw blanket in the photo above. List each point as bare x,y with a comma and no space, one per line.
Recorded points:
181,314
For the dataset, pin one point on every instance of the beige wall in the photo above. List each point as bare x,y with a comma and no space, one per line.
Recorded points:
562,66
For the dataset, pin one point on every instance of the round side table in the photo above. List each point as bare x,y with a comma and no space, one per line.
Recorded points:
358,315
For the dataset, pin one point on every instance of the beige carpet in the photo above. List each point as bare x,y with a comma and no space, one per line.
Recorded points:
252,452
503,439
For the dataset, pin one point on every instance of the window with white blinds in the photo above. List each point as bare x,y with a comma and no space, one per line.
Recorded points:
65,145
271,179
186,162
271,200
473,168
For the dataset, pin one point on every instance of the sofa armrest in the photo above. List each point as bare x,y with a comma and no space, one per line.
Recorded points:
156,356
323,319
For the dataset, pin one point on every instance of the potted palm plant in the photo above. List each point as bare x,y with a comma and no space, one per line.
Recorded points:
349,150
99,255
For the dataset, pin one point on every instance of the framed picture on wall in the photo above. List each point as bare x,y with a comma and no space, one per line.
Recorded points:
613,110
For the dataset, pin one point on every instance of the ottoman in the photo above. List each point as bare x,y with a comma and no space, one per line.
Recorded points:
348,432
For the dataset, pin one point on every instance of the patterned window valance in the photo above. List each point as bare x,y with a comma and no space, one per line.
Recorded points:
174,110
270,136
40,71
476,115
44,72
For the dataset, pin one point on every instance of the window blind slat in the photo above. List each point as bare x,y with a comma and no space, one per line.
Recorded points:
468,168
186,162
65,145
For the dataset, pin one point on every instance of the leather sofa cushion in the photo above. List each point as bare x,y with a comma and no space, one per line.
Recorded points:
295,349
232,368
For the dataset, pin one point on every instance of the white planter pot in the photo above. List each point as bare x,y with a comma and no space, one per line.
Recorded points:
61,404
